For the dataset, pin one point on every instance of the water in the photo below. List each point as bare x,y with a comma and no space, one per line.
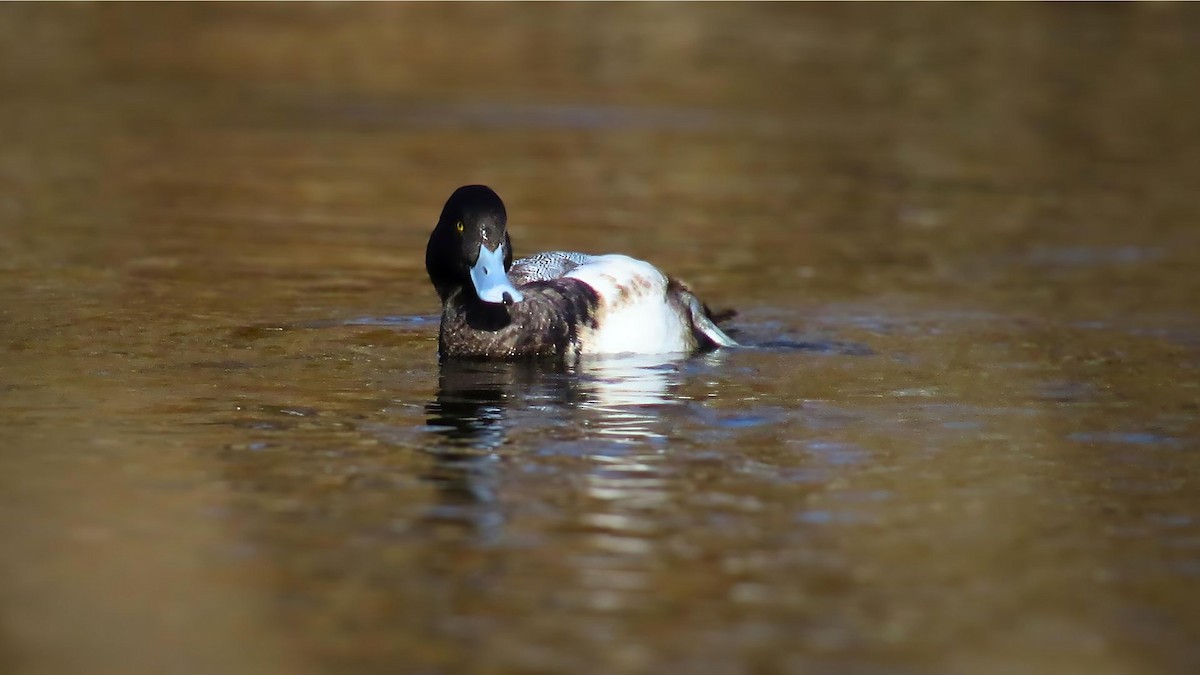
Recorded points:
962,243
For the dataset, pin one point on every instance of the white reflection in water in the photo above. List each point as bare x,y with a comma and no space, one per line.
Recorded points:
626,395
623,390
629,482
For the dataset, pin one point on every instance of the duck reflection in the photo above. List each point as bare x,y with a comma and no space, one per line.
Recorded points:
571,457
476,401
594,411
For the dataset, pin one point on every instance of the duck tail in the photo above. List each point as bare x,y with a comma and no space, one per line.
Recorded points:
706,327
704,322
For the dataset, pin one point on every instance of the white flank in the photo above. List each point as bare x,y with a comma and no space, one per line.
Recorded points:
635,316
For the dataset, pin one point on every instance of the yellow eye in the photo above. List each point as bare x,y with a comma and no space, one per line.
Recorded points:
458,226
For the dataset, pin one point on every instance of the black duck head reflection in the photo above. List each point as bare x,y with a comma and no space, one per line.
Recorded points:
473,398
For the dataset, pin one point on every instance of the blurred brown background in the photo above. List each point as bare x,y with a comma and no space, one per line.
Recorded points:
963,239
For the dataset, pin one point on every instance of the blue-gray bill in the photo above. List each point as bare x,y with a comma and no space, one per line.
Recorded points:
491,282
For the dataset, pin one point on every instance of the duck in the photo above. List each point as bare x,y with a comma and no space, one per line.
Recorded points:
553,304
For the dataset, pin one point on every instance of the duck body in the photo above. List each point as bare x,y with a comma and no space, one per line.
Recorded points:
554,304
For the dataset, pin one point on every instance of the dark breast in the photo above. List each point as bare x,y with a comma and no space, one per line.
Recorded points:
546,323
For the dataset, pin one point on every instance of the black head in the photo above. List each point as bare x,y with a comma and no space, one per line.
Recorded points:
470,247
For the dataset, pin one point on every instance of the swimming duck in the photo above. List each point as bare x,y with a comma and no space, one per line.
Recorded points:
551,304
